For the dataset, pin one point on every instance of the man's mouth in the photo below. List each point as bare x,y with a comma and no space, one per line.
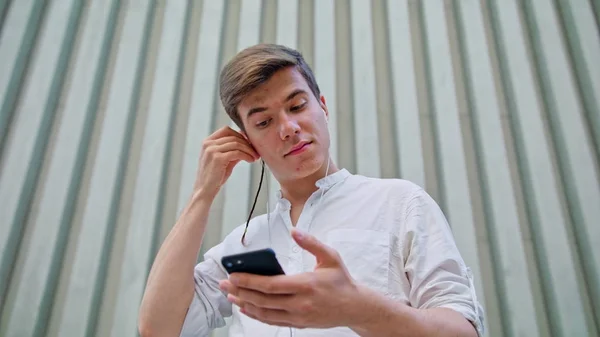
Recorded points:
300,147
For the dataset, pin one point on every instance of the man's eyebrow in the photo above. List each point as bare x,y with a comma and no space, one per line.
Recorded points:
294,94
289,97
255,110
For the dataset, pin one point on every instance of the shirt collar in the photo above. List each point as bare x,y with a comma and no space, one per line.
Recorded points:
324,183
332,179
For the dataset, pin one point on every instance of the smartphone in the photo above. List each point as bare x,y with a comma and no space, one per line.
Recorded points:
259,262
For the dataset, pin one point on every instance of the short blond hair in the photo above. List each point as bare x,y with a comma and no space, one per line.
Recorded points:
254,66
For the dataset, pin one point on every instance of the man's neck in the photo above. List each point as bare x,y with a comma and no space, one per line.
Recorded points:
298,191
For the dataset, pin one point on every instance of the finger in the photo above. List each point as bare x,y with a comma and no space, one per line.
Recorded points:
269,316
235,300
241,296
226,139
279,284
325,255
257,298
227,143
236,155
262,300
229,139
235,145
225,131
228,287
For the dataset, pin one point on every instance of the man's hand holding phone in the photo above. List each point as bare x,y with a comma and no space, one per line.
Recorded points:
326,297
221,151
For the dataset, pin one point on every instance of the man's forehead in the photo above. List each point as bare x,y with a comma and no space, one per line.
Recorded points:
275,89
260,95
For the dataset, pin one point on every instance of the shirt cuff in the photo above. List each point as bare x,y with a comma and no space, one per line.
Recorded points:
467,313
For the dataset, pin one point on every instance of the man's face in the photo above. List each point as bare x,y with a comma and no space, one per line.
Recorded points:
287,125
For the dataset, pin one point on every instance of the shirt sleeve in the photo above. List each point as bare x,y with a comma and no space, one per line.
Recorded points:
437,273
209,304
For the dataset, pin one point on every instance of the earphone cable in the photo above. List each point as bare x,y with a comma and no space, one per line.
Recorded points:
262,174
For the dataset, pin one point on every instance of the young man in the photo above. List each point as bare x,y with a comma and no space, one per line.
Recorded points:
363,256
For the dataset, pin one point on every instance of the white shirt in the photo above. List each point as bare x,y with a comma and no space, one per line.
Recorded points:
390,233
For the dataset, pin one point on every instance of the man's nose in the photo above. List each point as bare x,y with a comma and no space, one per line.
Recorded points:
288,127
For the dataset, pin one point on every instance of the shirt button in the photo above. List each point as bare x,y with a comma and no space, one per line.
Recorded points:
295,249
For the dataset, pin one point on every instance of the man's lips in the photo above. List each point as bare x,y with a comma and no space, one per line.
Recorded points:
301,146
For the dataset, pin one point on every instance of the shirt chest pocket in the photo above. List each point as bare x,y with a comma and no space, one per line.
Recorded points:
366,254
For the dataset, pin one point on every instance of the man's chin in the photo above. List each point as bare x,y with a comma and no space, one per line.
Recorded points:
305,169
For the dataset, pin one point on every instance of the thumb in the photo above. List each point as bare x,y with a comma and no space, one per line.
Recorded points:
326,256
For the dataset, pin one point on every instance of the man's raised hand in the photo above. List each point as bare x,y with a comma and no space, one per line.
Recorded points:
221,151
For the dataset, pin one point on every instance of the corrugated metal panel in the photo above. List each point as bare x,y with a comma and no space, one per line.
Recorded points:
493,107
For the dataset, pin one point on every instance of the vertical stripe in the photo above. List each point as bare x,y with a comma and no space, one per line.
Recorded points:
58,195
306,31
366,140
388,153
4,4
325,60
545,208
268,26
584,39
151,175
22,162
343,80
100,210
287,23
500,204
17,36
88,75
408,130
579,169
450,147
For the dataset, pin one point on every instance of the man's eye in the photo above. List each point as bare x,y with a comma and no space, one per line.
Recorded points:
298,107
263,123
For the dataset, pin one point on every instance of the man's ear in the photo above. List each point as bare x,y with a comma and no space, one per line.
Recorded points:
323,105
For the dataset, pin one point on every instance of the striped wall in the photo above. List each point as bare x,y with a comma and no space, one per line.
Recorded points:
492,106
